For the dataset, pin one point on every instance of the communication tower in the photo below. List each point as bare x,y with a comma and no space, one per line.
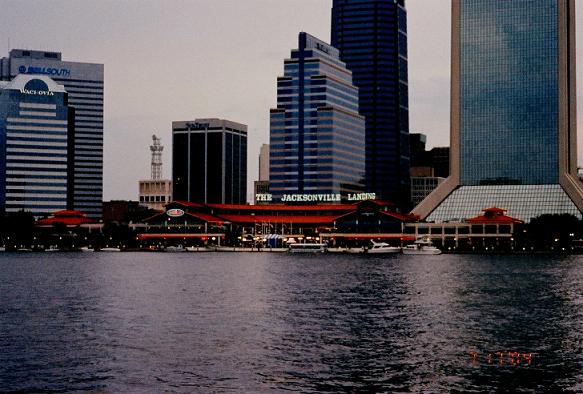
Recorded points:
156,150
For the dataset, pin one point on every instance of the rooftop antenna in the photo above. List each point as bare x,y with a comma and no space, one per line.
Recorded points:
156,150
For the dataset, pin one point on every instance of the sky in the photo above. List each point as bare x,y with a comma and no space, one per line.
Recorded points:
169,60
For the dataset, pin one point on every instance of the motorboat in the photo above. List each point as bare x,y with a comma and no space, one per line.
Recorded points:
198,249
421,246
174,249
307,248
108,249
382,248
336,250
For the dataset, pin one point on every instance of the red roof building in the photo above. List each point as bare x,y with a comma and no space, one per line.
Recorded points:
68,218
494,216
373,216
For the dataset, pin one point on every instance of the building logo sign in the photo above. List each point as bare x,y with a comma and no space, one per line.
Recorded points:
322,48
37,92
361,196
265,197
197,126
311,198
53,72
36,87
175,213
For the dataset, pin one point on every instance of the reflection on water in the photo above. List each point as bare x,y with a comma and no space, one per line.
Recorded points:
268,322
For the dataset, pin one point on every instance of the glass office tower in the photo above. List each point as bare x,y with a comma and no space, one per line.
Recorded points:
316,132
84,85
513,133
372,38
36,141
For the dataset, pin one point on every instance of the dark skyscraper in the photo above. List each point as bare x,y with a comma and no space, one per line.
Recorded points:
372,38
513,112
209,161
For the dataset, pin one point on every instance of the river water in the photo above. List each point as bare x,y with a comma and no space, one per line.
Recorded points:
272,322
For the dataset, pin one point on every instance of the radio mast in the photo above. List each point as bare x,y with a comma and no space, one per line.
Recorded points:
156,150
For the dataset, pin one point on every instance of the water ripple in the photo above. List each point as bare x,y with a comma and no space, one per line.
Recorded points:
276,323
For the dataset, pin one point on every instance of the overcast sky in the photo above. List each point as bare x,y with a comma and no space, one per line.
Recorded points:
170,60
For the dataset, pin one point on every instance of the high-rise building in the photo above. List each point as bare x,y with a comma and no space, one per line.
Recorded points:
439,157
418,156
36,141
84,85
261,186
425,167
264,162
372,38
316,132
209,161
155,192
513,112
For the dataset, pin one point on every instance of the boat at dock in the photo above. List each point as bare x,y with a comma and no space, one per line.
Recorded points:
175,249
421,246
382,248
307,248
109,249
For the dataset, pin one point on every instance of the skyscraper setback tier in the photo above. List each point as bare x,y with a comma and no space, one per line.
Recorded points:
209,161
84,85
316,132
36,139
372,38
513,111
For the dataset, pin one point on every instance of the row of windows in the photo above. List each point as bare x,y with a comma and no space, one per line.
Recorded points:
153,199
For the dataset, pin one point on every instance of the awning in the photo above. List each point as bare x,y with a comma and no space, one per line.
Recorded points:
272,236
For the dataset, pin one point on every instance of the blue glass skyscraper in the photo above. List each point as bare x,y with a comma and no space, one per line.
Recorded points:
84,83
372,38
316,132
36,146
513,132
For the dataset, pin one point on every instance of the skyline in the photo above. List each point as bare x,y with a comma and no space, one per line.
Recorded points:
172,61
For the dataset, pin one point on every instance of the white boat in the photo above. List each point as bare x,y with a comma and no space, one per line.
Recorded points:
307,248
421,246
198,249
85,249
174,249
355,250
382,248
110,249
336,250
